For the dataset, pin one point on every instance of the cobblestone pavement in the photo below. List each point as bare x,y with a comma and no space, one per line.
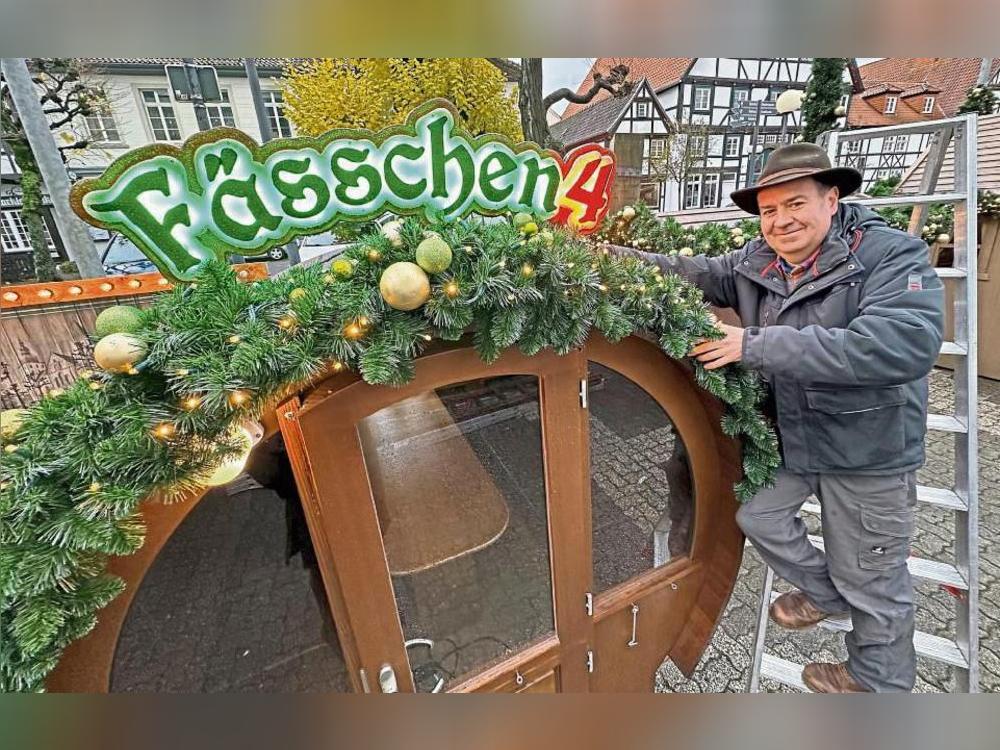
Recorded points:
725,666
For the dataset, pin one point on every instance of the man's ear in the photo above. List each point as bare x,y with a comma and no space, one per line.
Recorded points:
832,196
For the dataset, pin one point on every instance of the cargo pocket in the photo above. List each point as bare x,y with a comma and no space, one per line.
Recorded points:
855,428
885,538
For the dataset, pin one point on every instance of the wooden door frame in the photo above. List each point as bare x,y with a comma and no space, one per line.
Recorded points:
326,421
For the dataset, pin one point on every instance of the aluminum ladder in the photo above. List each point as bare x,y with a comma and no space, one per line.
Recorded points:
961,578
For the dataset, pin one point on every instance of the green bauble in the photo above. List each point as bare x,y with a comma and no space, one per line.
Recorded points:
520,219
119,352
434,255
117,319
405,286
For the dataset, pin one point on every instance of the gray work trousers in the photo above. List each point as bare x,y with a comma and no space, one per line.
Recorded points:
867,524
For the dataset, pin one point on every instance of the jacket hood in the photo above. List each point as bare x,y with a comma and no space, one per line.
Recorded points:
851,216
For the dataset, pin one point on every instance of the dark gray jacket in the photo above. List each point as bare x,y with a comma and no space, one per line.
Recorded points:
847,353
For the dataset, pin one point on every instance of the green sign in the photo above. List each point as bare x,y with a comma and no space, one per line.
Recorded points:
221,193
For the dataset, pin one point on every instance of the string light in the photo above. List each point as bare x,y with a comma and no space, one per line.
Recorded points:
527,270
234,339
426,336
10,448
190,403
451,290
511,298
11,297
44,293
95,386
182,373
337,365
132,370
602,287
468,249
75,290
353,331
570,264
164,431
94,487
363,321
238,397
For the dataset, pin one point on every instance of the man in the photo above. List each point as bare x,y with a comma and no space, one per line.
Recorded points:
843,318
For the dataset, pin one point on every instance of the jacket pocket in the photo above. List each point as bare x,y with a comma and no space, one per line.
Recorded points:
884,542
855,428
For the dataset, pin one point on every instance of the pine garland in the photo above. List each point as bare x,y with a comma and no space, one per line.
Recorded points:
823,92
220,351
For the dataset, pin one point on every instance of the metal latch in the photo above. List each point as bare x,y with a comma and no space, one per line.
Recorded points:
387,679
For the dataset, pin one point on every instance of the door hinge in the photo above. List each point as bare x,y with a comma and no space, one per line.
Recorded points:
588,600
590,662
583,393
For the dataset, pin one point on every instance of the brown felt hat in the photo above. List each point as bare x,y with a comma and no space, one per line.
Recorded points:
793,162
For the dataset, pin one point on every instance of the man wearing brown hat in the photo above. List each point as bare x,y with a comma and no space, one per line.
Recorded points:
842,317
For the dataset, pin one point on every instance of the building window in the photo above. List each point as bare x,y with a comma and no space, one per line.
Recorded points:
649,193
696,145
160,113
710,190
642,109
702,98
741,95
274,103
657,147
14,232
220,114
692,191
845,100
928,104
732,145
890,105
771,138
102,127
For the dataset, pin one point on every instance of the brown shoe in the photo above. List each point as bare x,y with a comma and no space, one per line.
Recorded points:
821,677
795,612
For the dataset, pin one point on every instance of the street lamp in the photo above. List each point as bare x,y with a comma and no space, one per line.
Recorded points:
787,102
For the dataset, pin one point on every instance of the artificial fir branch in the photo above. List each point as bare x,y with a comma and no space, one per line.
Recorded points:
220,351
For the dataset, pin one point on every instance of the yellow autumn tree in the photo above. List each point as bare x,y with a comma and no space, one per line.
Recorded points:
373,93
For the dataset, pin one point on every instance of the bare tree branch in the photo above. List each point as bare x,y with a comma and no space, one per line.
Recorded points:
615,83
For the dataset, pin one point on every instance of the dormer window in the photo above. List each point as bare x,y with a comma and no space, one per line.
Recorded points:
890,105
928,104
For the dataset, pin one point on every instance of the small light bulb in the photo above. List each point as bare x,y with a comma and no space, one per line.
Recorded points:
337,366
44,293
238,398
135,283
451,290
95,386
75,290
181,373
10,448
234,339
94,487
164,431
426,336
106,287
190,403
527,270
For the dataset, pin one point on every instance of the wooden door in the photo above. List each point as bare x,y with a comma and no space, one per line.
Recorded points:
665,544
447,517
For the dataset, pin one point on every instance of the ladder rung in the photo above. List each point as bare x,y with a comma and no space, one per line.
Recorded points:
920,567
911,200
950,273
950,347
945,423
931,495
941,497
783,671
931,646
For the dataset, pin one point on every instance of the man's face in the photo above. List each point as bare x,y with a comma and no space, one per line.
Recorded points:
795,216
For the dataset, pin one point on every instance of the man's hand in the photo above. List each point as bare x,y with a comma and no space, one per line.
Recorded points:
720,352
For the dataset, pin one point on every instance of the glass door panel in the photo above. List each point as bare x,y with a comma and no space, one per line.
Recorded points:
458,480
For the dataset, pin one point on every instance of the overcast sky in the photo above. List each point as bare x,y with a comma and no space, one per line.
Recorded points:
570,71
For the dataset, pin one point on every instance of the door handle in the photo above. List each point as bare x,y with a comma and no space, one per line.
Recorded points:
635,622
387,679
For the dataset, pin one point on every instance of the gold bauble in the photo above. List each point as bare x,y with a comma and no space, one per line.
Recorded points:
297,293
404,286
119,352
